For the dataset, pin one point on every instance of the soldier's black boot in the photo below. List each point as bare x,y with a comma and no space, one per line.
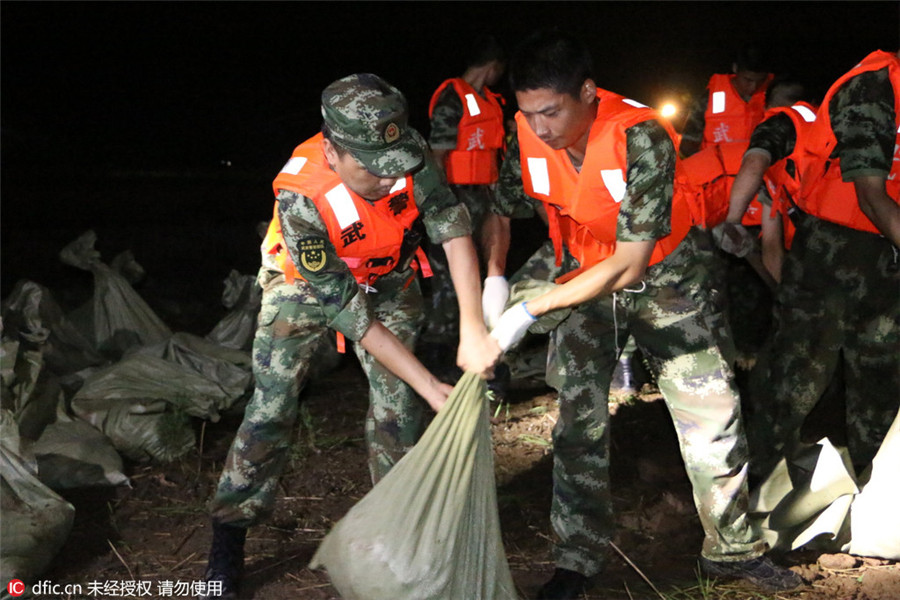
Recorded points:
226,562
564,585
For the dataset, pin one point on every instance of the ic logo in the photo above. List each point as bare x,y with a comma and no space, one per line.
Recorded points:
16,587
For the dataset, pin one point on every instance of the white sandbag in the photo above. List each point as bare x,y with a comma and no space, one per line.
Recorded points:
874,517
818,501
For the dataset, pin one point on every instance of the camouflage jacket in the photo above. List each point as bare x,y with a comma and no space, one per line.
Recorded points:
863,121
347,308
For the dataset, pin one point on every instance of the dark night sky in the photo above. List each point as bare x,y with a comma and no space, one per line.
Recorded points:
149,85
100,91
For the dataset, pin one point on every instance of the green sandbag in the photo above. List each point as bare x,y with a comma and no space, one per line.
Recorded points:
529,289
429,529
36,522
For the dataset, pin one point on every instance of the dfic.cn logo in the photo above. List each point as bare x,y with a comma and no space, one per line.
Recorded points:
16,587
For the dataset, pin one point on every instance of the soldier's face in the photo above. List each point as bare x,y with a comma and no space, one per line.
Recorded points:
747,83
355,176
559,120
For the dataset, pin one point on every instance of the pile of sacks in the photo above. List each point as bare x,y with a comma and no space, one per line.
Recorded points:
107,381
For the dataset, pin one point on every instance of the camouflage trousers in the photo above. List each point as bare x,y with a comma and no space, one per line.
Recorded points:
674,324
442,326
837,310
291,330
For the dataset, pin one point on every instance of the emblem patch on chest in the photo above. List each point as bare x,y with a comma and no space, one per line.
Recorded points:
312,255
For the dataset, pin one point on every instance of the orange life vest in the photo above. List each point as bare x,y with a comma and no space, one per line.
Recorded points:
583,208
706,178
728,117
824,194
479,138
783,186
368,236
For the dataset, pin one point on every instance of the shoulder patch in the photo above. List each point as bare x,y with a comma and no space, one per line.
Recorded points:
312,254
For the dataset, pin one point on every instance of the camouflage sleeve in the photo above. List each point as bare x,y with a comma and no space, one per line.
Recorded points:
862,118
445,217
696,119
510,199
775,136
347,309
646,209
448,112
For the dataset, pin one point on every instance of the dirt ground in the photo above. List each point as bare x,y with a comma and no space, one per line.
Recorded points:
187,236
157,529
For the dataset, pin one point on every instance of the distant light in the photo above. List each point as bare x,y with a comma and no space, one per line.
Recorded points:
668,110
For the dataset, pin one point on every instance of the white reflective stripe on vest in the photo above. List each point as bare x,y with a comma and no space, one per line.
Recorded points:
293,165
472,103
718,100
342,205
614,182
634,103
540,177
401,183
808,115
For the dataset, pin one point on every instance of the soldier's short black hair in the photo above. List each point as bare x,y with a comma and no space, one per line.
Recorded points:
485,49
752,58
792,87
551,59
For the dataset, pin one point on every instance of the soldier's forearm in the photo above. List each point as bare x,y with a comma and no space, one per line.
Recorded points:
495,240
878,206
746,185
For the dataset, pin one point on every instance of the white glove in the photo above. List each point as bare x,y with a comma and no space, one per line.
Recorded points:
734,239
493,299
512,325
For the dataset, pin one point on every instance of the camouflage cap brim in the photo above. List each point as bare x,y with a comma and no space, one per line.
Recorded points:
400,158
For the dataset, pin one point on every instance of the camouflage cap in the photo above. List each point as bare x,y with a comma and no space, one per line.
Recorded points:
368,116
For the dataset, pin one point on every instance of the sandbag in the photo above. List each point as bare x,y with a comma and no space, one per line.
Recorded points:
144,403
242,296
227,369
874,518
31,315
817,501
528,289
29,391
35,521
430,528
71,453
118,318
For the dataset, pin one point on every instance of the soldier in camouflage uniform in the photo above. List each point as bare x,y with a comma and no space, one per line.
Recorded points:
838,306
665,307
747,299
484,68
365,162
749,78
